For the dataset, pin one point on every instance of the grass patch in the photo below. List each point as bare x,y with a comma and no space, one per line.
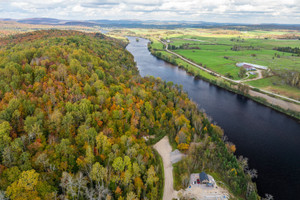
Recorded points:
251,76
176,177
184,65
156,44
272,84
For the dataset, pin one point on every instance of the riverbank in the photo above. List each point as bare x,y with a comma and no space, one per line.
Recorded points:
276,102
256,130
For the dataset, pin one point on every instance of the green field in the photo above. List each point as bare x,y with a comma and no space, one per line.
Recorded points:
274,84
219,50
156,44
256,51
219,55
213,59
188,67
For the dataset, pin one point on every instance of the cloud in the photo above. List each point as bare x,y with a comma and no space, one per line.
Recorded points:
240,11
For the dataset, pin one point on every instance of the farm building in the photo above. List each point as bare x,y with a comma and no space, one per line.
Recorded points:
203,178
251,67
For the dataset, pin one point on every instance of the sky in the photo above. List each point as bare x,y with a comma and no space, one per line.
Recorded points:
228,11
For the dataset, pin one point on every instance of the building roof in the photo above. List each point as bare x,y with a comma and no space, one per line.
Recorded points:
203,176
252,65
248,66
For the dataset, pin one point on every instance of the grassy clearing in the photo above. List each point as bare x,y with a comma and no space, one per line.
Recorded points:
188,67
213,60
156,44
176,177
272,84
251,76
216,54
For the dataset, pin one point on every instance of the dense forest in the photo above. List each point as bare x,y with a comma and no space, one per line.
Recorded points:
73,113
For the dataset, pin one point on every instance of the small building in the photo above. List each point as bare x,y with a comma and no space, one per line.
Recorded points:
203,178
252,73
251,66
248,67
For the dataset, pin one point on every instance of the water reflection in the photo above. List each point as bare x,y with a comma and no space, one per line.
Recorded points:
269,139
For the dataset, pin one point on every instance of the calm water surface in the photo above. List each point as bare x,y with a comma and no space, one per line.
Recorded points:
269,139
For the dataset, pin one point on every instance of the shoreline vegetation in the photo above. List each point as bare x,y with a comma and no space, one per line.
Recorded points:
212,78
74,112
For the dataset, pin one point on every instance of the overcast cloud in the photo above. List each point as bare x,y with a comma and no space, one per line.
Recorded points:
238,11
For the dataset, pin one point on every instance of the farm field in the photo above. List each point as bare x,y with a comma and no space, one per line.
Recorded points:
221,55
188,67
212,53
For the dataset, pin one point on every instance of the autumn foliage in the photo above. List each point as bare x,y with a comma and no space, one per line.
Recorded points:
73,113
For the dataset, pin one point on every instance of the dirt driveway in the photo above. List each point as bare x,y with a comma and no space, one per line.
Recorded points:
194,191
164,149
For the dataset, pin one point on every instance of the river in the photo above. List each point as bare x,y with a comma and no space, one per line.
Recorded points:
271,140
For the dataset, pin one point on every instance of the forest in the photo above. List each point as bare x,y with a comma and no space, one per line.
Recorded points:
73,115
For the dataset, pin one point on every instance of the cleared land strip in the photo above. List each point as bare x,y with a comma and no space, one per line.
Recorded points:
218,75
164,149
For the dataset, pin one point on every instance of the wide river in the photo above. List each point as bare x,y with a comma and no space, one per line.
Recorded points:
269,139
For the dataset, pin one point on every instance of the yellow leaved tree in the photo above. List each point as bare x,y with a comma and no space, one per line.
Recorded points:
25,187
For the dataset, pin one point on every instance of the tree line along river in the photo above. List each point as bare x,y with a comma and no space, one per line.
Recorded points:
271,140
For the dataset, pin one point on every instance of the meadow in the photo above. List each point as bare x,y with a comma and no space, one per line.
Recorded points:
212,52
273,84
221,55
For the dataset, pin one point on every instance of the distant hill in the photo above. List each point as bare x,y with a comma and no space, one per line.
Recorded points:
153,24
41,21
